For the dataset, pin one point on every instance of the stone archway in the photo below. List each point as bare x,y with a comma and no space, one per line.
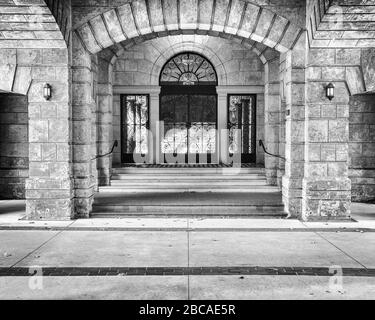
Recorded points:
258,28
201,44
138,21
33,53
155,18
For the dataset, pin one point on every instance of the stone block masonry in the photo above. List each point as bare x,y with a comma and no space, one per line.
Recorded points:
48,147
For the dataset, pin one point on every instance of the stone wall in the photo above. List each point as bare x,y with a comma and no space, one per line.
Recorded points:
234,64
14,147
362,147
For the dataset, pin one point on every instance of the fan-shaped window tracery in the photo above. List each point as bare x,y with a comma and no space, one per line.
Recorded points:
188,69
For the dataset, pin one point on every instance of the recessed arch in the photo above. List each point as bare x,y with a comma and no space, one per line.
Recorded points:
200,45
154,18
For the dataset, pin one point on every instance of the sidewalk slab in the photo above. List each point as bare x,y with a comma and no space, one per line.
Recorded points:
112,248
15,245
360,246
278,287
265,249
107,288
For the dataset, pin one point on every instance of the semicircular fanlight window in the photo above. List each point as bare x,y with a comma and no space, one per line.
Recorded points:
188,69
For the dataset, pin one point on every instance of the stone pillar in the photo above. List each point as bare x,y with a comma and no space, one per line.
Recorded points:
154,118
222,122
272,119
104,122
49,189
326,186
81,116
94,116
294,90
281,162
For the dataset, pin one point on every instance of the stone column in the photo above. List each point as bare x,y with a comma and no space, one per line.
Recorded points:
94,120
81,116
222,119
272,119
281,162
154,118
294,89
104,122
282,128
49,189
326,186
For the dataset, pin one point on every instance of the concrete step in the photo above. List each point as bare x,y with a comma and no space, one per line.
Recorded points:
146,183
187,170
195,177
185,204
197,211
188,189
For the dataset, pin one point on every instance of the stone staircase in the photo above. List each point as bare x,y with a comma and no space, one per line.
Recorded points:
188,192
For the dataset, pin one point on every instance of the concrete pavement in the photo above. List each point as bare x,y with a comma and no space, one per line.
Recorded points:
186,258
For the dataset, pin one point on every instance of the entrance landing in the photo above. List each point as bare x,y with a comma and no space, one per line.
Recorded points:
187,165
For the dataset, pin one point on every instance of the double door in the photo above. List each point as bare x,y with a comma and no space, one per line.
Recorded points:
190,127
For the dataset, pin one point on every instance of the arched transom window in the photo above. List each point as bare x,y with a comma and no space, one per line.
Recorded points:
188,69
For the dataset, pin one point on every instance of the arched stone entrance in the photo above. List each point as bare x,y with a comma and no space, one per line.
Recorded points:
240,72
314,47
132,23
29,60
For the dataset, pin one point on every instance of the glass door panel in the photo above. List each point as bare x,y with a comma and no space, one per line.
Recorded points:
241,116
134,126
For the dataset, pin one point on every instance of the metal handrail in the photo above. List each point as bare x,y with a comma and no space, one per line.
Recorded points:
115,144
270,154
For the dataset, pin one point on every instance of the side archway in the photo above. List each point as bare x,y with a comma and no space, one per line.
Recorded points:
33,52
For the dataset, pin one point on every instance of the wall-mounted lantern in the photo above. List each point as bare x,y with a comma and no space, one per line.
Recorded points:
330,91
47,91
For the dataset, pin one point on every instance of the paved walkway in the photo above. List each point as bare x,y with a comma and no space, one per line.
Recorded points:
186,258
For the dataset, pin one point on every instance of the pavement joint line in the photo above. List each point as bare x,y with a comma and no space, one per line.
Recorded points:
185,271
188,229
188,256
348,255
40,246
